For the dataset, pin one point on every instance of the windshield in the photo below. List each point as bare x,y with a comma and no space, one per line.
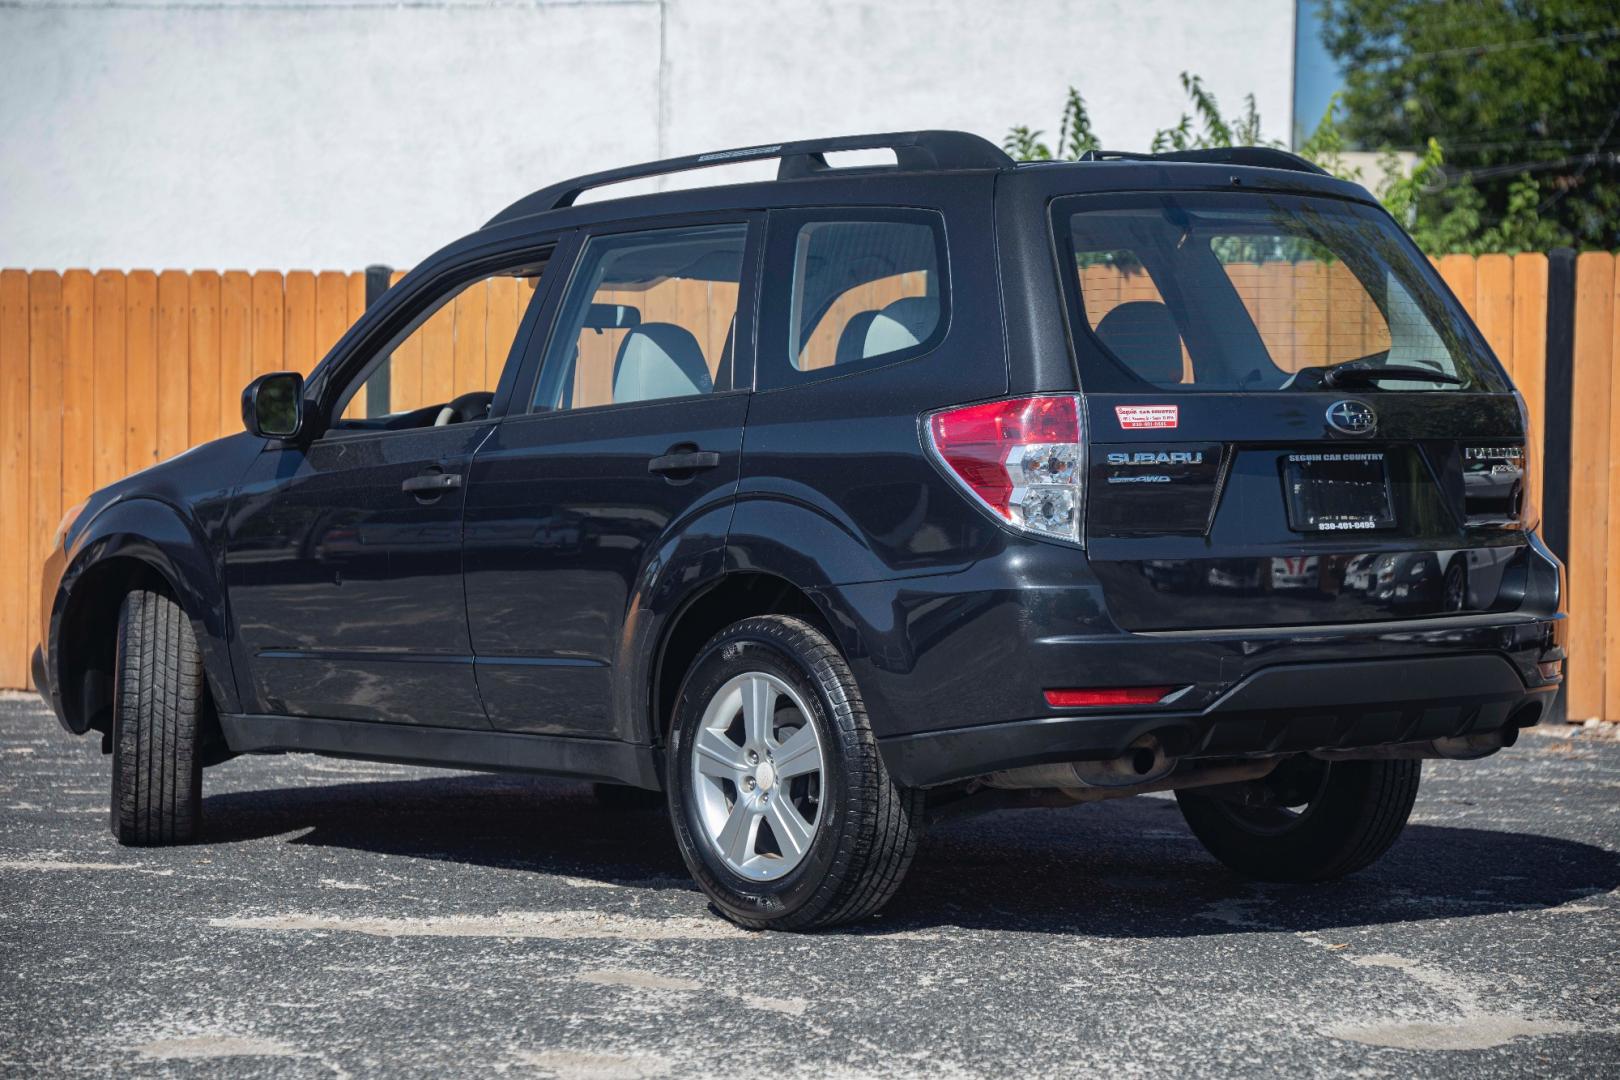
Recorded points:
1254,292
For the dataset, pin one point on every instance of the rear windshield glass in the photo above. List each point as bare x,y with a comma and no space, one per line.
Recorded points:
1256,292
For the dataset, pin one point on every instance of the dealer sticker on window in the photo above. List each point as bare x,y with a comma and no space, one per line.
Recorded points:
1147,416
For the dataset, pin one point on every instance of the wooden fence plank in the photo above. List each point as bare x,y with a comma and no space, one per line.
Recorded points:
1310,316
472,335
1458,272
331,310
140,371
1493,306
17,609
504,314
235,346
1589,481
1609,708
357,297
173,363
438,343
110,417
45,418
203,398
78,386
269,322
1530,353
298,347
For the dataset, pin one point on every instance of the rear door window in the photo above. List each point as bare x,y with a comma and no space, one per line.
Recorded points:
1255,292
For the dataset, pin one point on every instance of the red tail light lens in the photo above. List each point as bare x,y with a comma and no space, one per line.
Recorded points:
1107,695
1023,458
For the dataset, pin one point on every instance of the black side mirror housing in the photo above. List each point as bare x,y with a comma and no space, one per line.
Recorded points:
273,405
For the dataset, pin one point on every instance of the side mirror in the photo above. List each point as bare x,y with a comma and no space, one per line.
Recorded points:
273,405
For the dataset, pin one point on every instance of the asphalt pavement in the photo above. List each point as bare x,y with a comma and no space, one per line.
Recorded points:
351,919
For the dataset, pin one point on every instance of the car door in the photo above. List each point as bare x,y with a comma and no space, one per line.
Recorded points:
343,552
624,458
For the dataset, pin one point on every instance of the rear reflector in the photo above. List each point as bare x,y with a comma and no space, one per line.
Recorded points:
1022,458
1107,695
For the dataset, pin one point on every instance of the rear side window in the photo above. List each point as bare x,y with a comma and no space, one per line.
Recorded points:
864,289
1255,292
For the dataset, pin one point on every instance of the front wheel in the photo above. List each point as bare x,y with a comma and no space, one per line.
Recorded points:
1309,820
781,804
158,703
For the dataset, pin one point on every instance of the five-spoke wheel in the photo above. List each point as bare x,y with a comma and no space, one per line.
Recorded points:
781,804
756,772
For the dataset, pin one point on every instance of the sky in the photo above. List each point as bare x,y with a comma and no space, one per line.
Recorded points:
1316,75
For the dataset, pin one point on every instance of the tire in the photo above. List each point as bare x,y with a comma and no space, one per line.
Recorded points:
1355,811
863,828
158,703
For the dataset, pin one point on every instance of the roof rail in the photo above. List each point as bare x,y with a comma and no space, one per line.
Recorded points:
1262,157
914,151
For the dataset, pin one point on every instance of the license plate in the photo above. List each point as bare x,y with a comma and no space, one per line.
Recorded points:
1337,491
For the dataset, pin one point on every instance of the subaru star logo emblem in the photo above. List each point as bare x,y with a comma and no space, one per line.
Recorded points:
1352,417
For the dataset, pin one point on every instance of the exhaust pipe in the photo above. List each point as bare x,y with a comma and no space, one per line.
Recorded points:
1143,763
1453,748
1142,769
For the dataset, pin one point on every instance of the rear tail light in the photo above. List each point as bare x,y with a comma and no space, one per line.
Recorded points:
1022,458
1107,695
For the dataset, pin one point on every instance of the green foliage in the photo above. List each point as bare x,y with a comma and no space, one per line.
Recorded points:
1075,135
1442,214
1215,129
1524,96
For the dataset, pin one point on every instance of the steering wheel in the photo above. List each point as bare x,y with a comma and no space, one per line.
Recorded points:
472,406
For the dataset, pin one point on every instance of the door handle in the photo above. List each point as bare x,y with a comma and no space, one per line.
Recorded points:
431,483
689,461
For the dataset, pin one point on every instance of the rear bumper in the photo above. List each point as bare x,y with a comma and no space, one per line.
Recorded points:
1321,690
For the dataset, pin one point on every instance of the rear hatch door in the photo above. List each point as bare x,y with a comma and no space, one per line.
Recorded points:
1290,420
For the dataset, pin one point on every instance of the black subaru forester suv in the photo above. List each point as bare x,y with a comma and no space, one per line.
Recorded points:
833,504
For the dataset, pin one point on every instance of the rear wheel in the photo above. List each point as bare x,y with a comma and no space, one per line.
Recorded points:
158,702
1309,820
781,804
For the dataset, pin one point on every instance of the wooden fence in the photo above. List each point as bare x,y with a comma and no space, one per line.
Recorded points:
102,374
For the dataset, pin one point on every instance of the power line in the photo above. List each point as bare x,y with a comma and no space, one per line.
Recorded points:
1524,43
1587,164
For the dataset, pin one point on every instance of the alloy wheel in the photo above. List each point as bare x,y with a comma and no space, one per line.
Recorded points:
757,771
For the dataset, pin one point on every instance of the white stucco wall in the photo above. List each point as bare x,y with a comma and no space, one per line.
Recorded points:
334,133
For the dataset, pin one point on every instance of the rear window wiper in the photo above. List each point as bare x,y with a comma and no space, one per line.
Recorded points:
1356,373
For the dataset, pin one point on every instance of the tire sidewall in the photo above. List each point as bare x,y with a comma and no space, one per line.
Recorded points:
750,646
1314,849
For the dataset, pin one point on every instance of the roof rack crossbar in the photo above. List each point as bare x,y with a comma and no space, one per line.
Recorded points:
913,151
1263,157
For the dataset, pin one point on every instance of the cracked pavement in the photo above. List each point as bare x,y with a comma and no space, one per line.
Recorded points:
351,919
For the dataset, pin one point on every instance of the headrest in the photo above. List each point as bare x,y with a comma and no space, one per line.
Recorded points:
852,339
1143,336
659,360
901,325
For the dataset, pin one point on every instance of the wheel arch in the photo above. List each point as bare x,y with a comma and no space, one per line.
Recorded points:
135,543
730,598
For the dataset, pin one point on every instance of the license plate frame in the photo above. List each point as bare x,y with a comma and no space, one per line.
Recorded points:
1331,491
